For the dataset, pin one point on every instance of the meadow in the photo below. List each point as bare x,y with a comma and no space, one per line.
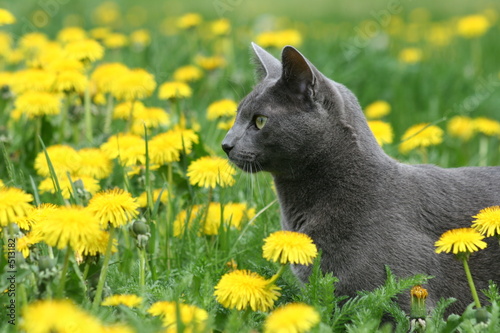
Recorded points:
119,211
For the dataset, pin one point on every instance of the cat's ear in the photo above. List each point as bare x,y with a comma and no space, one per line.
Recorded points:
267,65
297,73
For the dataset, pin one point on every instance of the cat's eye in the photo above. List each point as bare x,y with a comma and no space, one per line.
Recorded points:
260,121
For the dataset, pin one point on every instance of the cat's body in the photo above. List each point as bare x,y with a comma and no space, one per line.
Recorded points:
363,209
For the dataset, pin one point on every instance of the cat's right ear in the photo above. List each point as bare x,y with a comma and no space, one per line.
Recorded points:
267,65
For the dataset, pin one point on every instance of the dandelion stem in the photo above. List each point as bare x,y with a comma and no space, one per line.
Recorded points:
109,115
142,269
88,115
277,275
104,271
60,288
471,283
483,151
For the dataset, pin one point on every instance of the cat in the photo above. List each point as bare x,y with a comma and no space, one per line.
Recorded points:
363,209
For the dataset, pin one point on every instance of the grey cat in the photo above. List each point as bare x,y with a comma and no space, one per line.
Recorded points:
362,208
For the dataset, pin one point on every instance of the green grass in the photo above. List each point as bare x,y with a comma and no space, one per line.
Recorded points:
461,78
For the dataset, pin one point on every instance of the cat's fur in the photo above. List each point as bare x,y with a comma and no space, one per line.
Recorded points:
362,208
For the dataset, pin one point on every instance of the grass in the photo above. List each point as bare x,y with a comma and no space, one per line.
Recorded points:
459,78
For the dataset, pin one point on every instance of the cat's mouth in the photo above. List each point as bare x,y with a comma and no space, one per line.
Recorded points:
245,161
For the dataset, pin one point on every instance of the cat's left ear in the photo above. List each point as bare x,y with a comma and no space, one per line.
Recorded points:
297,73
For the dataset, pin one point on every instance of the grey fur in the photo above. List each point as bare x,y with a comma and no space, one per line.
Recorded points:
362,208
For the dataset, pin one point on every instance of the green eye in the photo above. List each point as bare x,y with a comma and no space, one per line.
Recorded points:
260,121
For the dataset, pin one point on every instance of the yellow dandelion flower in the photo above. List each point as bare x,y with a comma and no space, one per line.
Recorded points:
192,317
234,213
292,318
279,38
34,215
174,89
140,38
221,108
89,184
220,27
242,289
377,109
5,44
71,80
289,247
187,73
382,131
115,40
473,26
487,126
440,34
71,34
63,158
116,207
461,127
133,84
29,80
45,316
463,240
151,117
487,221
142,200
61,64
38,103
410,55
185,218
210,63
130,301
100,33
421,135
73,226
107,13
94,163
226,125
166,147
104,75
6,79
1,184
87,50
31,43
99,246
14,203
189,20
210,171
6,17
126,109
129,149
24,243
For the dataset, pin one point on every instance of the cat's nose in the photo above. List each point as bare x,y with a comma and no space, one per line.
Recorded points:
227,147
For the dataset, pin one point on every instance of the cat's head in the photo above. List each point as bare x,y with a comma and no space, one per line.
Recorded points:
291,117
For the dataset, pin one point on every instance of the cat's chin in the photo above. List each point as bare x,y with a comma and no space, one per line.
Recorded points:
248,167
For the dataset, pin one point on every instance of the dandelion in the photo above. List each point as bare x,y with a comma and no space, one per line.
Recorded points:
71,81
24,243
279,38
71,34
133,84
377,109
130,301
99,33
221,108
34,215
166,147
46,316
142,200
32,80
140,38
421,135
185,218
14,203
192,317
473,26
73,226
174,90
189,20
242,289
462,242
94,163
417,306
220,27
151,117
292,318
226,125
81,183
37,104
86,50
382,131
487,221
104,75
116,207
187,73
461,127
63,158
128,148
99,246
410,55
115,40
210,63
487,126
230,215
289,247
31,43
6,17
211,171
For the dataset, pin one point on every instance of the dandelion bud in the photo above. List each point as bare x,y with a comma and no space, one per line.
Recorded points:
418,296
